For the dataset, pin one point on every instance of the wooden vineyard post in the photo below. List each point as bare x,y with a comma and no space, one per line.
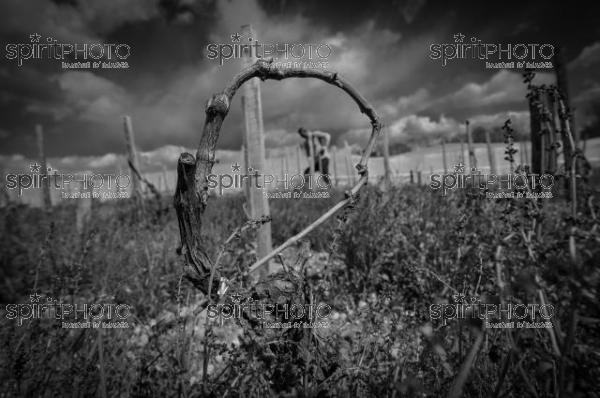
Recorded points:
334,161
166,178
298,157
569,144
320,160
311,155
255,158
46,199
349,163
243,155
348,168
444,160
386,158
116,186
472,158
132,159
536,138
521,159
117,182
563,93
491,157
245,167
84,208
284,168
4,195
544,156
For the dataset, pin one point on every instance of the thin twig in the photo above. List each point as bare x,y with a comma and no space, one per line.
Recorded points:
439,278
311,227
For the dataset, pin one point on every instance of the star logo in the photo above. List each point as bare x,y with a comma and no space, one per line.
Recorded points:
459,168
235,37
235,167
458,298
236,297
35,167
35,38
459,37
34,298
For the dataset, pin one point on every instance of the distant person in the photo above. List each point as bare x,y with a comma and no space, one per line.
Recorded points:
320,151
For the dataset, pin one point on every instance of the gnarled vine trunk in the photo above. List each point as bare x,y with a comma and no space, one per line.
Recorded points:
192,185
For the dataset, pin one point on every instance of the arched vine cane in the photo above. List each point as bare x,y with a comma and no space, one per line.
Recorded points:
192,185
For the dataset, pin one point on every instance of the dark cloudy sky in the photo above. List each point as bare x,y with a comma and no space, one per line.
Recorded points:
382,47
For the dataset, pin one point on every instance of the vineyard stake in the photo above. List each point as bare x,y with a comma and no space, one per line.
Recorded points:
47,200
132,157
258,204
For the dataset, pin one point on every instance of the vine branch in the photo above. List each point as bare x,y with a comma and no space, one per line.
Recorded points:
192,174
